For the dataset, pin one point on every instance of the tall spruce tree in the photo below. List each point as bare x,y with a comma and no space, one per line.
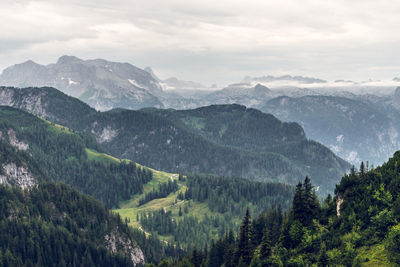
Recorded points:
305,204
323,259
298,209
265,249
244,244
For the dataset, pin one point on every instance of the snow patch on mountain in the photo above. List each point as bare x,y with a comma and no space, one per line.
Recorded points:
134,83
71,82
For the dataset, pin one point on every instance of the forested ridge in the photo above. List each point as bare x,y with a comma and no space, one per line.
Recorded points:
286,151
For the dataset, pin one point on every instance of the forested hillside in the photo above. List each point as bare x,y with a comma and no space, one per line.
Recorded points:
250,130
227,140
359,226
53,225
162,204
49,224
72,157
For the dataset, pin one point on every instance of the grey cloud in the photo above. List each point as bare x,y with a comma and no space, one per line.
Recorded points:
210,41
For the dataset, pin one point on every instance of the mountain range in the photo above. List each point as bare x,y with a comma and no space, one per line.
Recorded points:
355,129
106,85
170,173
48,223
102,84
228,140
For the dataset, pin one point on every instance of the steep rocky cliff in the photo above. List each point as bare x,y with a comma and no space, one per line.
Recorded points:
11,173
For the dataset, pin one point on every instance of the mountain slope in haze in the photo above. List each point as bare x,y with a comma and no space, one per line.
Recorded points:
157,139
396,98
355,129
284,78
102,84
241,93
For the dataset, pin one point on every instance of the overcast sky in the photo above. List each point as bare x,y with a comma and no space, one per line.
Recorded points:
211,41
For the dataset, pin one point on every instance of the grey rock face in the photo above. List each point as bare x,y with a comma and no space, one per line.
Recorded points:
117,243
13,174
20,145
31,102
102,84
396,98
18,176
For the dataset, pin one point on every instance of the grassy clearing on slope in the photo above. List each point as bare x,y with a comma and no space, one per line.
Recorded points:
129,209
194,122
57,127
94,155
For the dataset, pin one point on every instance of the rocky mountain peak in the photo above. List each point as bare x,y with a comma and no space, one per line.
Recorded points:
150,70
28,65
396,98
397,92
68,60
100,83
261,88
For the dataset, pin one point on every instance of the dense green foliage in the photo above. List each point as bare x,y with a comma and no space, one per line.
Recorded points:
223,140
187,232
232,195
62,154
53,225
359,226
